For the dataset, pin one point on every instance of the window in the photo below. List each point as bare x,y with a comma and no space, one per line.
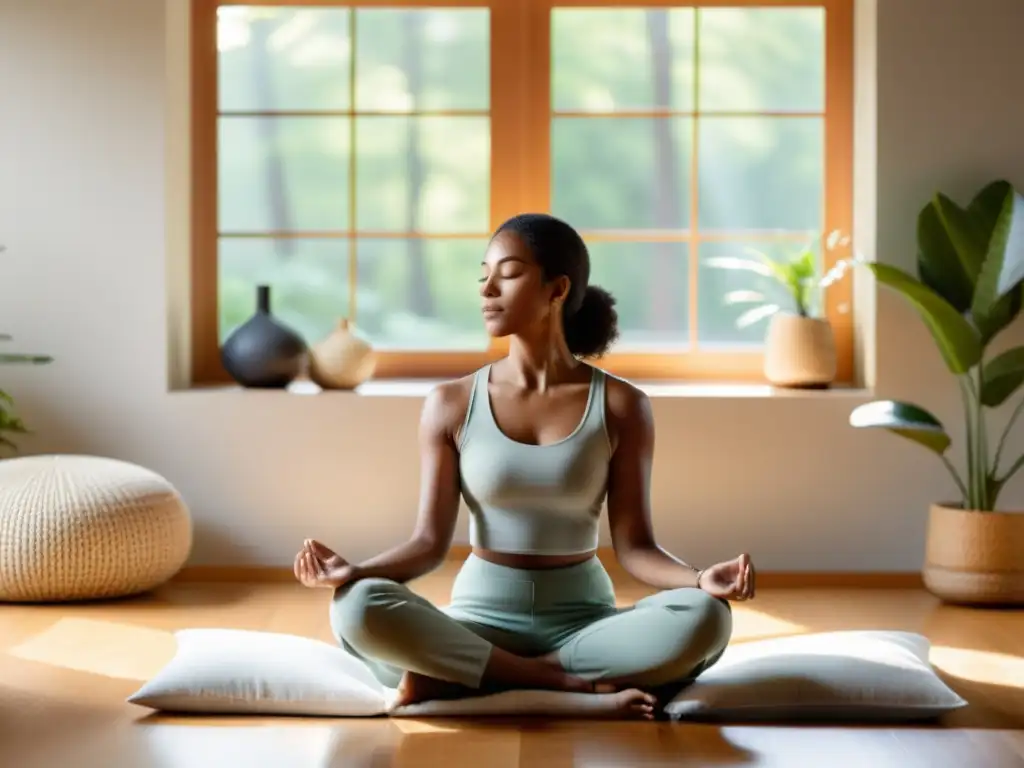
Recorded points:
356,158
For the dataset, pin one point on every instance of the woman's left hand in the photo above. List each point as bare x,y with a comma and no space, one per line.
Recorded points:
731,580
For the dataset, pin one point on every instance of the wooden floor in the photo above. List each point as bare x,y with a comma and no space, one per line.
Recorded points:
65,671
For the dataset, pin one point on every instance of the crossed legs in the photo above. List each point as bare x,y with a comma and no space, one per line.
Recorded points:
666,639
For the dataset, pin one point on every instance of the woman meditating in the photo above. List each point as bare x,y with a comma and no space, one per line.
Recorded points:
536,443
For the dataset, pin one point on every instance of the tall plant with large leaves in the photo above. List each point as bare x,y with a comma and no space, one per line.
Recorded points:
10,422
970,264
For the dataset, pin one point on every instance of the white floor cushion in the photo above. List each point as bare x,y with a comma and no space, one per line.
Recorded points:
243,671
863,675
221,671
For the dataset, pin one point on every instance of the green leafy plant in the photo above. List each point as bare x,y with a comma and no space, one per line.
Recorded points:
10,422
970,264
797,272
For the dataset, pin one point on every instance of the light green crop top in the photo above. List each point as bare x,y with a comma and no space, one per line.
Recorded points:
534,499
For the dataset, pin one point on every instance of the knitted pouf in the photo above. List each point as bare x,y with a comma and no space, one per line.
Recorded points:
81,527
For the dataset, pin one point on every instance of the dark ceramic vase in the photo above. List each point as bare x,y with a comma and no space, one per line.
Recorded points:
263,352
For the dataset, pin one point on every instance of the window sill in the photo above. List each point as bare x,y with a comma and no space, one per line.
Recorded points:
418,388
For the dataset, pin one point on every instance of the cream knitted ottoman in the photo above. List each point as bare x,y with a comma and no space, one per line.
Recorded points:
80,527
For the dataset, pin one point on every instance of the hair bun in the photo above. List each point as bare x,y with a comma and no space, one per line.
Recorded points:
592,329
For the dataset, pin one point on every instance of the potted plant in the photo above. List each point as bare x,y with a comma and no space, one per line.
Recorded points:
970,263
10,422
800,347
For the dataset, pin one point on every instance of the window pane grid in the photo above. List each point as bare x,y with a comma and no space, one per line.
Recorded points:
372,76
676,89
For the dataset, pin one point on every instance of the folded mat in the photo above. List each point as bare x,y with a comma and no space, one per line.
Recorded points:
866,676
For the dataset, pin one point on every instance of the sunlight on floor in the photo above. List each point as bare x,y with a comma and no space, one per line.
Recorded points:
328,745
980,666
341,743
100,647
410,727
753,625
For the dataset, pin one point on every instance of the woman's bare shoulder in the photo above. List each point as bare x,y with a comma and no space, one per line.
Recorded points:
627,408
446,405
624,399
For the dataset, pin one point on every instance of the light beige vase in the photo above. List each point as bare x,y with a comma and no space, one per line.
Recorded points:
342,360
799,352
975,557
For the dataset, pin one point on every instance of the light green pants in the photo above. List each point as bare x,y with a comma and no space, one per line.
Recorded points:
665,639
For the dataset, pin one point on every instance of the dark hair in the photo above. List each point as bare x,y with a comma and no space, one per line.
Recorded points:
588,314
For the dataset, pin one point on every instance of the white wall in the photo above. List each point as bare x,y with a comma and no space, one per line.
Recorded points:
83,200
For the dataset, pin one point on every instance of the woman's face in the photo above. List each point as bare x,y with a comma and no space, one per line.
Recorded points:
514,297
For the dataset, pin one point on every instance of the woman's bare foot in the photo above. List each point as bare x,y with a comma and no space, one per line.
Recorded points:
580,685
572,682
614,703
628,702
631,703
415,688
609,702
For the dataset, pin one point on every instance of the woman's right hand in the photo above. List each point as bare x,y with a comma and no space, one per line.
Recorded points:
319,566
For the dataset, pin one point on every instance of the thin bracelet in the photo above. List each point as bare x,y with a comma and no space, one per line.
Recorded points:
699,574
